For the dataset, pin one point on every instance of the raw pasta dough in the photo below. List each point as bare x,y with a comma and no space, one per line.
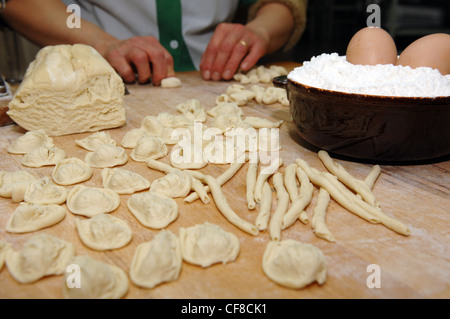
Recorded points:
99,280
103,232
175,184
207,244
294,264
95,140
106,155
91,201
43,191
170,82
157,261
31,217
153,210
29,141
9,181
42,255
123,181
69,89
71,171
149,147
43,156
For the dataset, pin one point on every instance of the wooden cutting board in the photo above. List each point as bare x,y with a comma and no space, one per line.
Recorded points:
417,266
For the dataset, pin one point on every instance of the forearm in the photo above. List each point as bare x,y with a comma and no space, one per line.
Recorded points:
46,24
274,22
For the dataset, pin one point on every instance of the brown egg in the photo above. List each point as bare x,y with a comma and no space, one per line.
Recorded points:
429,51
372,46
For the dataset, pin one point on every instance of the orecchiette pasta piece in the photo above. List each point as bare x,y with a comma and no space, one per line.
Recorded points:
99,280
225,108
192,110
9,179
123,181
188,156
31,217
71,171
43,156
43,191
153,210
170,82
29,141
157,261
103,232
223,98
106,156
175,184
173,121
91,201
149,147
293,264
94,140
42,255
132,137
152,126
207,244
234,88
224,122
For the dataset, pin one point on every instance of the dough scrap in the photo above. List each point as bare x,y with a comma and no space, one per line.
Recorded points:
71,171
42,255
175,184
157,261
69,89
293,264
153,210
31,217
207,244
123,181
103,232
10,180
99,280
43,191
149,147
43,156
29,141
4,248
91,201
106,155
170,82
94,140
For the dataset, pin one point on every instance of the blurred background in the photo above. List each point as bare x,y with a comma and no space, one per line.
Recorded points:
330,26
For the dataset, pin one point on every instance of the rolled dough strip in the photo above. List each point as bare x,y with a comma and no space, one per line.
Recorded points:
350,201
318,224
276,222
222,179
170,82
250,183
263,176
359,186
222,204
290,181
373,176
297,209
262,220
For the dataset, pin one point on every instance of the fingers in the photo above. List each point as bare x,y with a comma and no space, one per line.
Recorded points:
141,59
232,46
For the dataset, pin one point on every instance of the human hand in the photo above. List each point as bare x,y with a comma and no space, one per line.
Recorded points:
232,46
144,55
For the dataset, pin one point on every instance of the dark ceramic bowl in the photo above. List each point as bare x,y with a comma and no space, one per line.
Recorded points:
370,127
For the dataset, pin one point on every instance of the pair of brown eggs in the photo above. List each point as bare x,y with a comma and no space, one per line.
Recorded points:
373,45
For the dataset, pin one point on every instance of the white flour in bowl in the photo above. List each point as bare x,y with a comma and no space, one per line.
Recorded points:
333,72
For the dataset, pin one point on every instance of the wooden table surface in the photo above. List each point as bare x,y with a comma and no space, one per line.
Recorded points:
417,266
